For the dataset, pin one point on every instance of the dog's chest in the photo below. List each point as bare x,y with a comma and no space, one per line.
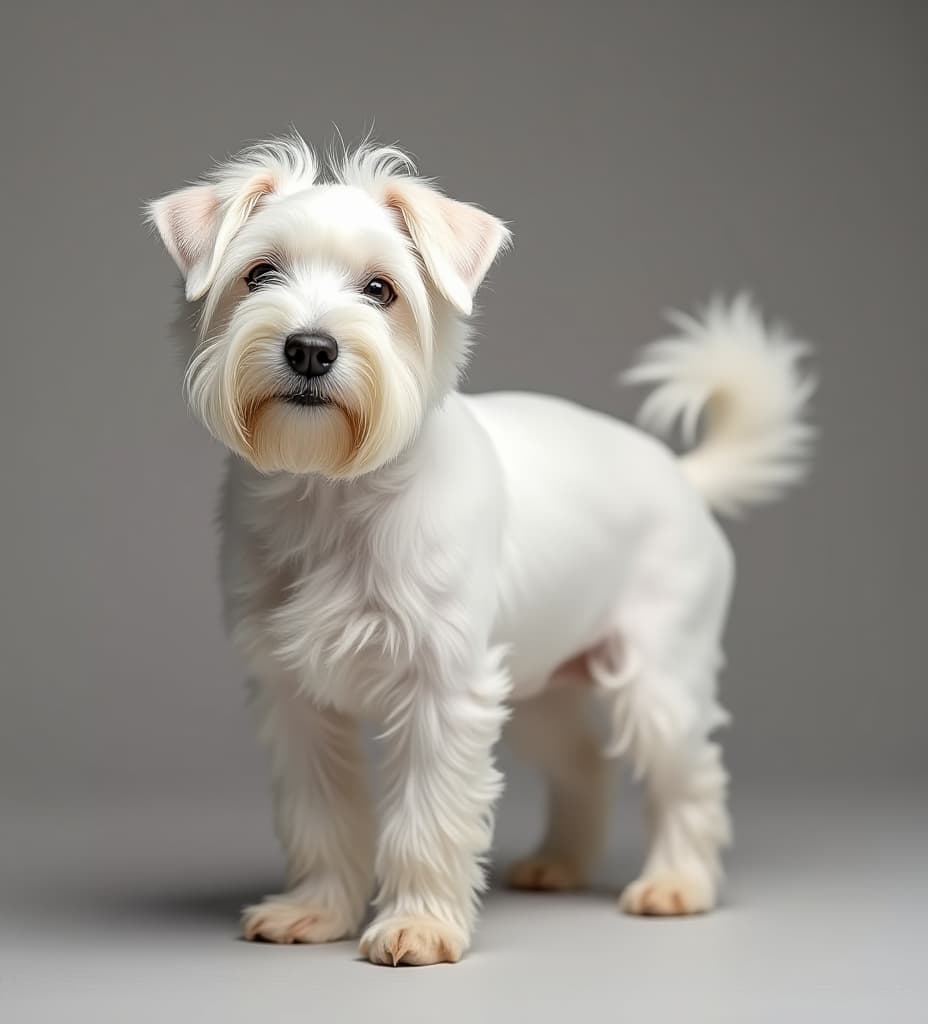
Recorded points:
354,614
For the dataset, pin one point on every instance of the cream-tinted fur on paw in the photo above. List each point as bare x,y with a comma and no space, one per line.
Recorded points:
669,894
278,921
416,941
394,550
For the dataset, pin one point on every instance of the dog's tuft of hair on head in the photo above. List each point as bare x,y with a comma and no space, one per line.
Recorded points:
367,164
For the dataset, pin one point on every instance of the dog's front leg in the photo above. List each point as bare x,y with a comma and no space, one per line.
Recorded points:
323,816
437,820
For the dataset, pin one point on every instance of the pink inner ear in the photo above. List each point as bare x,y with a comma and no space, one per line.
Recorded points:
473,230
195,219
198,222
187,222
457,242
194,223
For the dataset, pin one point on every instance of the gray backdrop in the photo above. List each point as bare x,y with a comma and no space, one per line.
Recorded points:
646,155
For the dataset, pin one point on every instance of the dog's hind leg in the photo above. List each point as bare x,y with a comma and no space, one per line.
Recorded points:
658,674
553,733
689,825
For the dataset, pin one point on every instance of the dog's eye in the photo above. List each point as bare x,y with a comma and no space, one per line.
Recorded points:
381,291
260,274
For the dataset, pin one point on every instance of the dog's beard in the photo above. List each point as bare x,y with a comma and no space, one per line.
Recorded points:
349,422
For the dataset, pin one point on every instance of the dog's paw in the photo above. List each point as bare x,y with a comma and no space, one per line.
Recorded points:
415,940
277,920
669,894
545,874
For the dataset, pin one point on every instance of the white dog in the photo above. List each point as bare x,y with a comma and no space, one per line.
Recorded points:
397,550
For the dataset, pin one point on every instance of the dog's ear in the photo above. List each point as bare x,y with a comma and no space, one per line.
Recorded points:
197,223
456,242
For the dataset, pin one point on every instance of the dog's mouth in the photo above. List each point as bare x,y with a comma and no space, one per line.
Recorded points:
305,399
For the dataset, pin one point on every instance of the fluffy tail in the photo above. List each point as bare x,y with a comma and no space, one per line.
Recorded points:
742,381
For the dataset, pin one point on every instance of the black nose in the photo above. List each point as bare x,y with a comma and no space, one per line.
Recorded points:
310,355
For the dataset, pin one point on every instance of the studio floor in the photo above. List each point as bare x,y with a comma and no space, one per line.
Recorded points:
119,912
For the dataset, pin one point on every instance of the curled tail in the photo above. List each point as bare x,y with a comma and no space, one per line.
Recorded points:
742,381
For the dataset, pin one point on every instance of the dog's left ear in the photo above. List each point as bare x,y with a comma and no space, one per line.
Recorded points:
457,242
197,223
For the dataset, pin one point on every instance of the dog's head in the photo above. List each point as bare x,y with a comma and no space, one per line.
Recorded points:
331,311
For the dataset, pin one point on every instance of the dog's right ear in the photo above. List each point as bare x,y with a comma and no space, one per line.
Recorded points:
196,224
186,221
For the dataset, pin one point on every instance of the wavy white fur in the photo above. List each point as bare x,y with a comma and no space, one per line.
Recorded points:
396,550
746,379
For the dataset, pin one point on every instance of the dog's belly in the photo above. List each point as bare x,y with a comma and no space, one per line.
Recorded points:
587,495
